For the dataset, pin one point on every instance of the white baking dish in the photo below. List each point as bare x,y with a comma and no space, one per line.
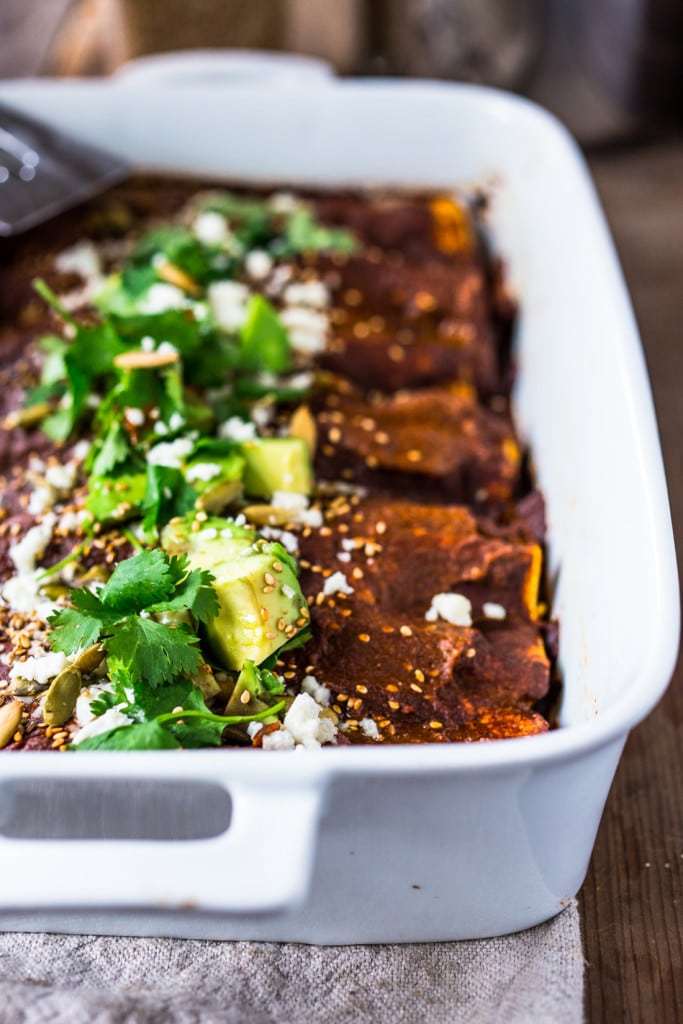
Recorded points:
405,843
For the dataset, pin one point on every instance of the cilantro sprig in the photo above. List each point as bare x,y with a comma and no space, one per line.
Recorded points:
119,616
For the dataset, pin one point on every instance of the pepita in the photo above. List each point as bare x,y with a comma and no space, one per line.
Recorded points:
268,515
27,417
302,425
10,718
215,499
88,660
61,698
172,274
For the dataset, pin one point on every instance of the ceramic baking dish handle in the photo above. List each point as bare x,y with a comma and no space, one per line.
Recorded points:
221,67
262,862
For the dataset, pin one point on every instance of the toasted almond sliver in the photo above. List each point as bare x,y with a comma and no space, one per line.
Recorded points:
138,359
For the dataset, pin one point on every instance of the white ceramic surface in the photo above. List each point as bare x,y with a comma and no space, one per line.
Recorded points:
406,843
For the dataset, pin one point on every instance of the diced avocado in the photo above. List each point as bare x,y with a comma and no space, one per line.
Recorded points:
255,690
261,606
277,464
218,480
114,499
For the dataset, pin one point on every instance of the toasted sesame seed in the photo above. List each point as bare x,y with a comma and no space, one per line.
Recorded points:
267,590
277,566
388,629
357,573
419,675
414,455
342,697
396,353
245,697
416,688
270,579
361,688
391,688
264,613
436,725
364,638
281,624
405,631
393,704
470,652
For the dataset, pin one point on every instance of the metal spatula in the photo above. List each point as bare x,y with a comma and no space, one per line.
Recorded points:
43,171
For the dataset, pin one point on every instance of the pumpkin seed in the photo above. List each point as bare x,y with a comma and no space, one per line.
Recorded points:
268,515
302,425
88,660
61,698
215,499
27,417
10,719
26,687
172,274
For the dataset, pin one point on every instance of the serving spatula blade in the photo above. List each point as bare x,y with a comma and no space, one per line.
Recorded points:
44,172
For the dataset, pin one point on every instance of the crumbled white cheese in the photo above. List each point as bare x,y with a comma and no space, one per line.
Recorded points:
280,739
313,294
111,719
210,227
135,417
210,533
228,303
61,477
492,610
202,471
70,521
344,556
279,278
320,693
167,349
301,381
36,465
348,543
262,413
42,498
80,450
369,728
288,540
176,421
148,344
337,583
258,264
21,594
453,608
39,670
288,591
237,429
32,545
81,258
304,723
160,297
284,202
170,453
253,729
297,505
289,500
307,329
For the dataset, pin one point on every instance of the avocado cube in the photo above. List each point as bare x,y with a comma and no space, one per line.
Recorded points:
261,606
277,464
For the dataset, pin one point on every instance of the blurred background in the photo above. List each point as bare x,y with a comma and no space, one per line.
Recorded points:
611,69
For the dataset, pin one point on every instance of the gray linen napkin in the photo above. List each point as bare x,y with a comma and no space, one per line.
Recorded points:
531,977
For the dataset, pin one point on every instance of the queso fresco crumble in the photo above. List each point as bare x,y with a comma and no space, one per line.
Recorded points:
260,481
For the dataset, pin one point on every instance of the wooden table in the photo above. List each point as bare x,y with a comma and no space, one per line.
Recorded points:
632,902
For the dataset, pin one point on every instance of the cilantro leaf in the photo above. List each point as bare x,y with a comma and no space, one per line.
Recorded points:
194,594
150,652
140,581
166,495
139,736
263,339
73,630
303,233
113,449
